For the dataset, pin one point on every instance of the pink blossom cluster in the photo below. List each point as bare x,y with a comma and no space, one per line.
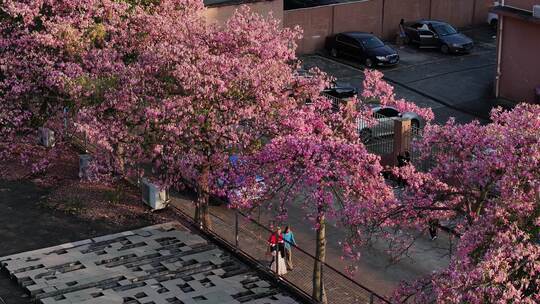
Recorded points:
376,90
484,188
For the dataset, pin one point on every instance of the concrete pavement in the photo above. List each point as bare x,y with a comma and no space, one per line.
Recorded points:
459,86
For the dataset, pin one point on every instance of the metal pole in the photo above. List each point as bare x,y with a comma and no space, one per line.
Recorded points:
236,228
65,121
85,143
276,259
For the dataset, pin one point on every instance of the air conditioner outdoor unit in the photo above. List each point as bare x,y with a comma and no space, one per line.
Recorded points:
153,196
84,162
536,11
46,137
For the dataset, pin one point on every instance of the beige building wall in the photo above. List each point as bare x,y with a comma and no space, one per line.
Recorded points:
220,14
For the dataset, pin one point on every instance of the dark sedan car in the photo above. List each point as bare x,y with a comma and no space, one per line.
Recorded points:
437,34
364,47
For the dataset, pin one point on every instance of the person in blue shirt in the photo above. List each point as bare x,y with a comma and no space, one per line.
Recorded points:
288,238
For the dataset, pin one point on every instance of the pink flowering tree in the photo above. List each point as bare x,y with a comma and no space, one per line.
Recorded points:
332,177
183,96
482,187
45,48
326,168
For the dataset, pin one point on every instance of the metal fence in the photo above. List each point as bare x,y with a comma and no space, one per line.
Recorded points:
377,136
421,162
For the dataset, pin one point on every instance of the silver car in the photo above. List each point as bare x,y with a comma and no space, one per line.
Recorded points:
385,116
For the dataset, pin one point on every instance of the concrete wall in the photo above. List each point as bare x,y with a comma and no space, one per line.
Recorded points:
380,17
520,61
220,14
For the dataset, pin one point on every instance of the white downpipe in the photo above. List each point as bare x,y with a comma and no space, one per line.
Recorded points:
499,57
499,54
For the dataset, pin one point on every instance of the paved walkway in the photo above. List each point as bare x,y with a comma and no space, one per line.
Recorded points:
374,269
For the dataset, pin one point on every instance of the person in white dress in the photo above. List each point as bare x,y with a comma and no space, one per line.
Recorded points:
277,248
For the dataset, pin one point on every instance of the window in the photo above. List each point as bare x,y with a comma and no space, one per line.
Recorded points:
346,39
425,33
371,42
388,112
444,29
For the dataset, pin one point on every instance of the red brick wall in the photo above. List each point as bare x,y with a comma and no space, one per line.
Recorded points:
459,13
368,16
481,11
316,24
409,10
359,16
520,61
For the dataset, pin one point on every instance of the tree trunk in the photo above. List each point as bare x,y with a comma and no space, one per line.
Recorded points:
319,294
202,217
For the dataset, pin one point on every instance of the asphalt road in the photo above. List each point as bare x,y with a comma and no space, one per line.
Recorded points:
459,86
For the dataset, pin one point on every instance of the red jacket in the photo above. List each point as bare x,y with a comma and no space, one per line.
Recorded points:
274,240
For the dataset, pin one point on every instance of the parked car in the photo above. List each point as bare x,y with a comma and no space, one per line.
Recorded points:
437,34
340,91
493,18
384,125
365,47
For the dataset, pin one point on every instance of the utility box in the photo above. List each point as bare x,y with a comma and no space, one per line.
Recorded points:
153,196
84,162
46,137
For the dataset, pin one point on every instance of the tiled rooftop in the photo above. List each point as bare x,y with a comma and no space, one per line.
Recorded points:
160,264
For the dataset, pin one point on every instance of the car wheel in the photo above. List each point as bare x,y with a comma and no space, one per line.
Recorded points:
366,135
407,40
369,63
445,49
334,52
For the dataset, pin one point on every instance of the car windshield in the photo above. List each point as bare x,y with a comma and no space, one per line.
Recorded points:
444,29
372,42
